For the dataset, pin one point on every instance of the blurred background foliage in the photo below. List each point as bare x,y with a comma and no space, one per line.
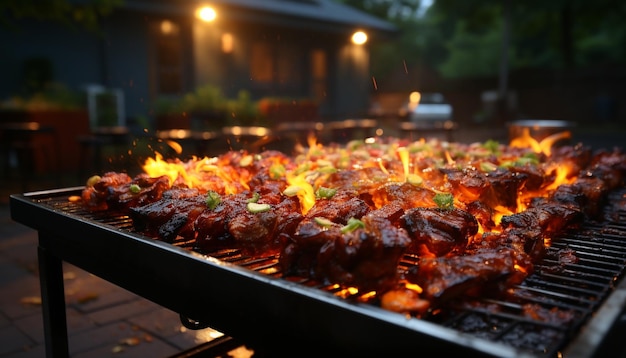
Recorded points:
81,14
463,39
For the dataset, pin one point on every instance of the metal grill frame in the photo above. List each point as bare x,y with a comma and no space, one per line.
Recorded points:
256,308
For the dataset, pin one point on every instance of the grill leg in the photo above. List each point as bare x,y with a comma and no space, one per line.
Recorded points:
53,304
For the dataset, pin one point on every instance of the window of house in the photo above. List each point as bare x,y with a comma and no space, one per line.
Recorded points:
319,75
168,58
261,63
278,68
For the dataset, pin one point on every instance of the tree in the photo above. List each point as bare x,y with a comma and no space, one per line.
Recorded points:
552,34
85,14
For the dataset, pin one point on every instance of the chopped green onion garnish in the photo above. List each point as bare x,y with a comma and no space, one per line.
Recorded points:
327,170
323,222
277,171
414,179
245,161
492,146
292,190
134,188
254,198
488,167
93,180
302,168
352,225
325,193
444,200
213,199
258,208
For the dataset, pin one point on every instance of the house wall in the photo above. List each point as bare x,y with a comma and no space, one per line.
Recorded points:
75,55
122,58
353,82
125,60
117,58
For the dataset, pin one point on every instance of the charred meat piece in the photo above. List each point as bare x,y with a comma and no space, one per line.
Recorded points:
468,185
232,224
343,206
550,217
95,196
528,245
534,175
404,194
499,187
210,229
477,274
264,233
504,187
483,214
361,180
440,230
165,218
114,191
140,191
366,258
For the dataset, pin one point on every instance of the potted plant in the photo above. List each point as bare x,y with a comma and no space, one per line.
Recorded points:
58,107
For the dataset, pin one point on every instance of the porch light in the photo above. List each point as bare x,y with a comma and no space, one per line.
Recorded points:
359,38
227,42
206,13
168,28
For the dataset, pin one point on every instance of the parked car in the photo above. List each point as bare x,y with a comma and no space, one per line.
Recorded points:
427,108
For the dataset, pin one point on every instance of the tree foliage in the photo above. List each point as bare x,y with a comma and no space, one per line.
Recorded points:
544,34
464,38
84,14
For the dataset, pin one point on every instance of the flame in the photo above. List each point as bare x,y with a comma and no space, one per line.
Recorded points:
519,268
156,167
305,191
544,146
526,141
347,292
563,174
403,152
449,158
413,287
196,174
499,212
548,142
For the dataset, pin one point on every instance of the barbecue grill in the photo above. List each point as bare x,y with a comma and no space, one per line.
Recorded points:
250,299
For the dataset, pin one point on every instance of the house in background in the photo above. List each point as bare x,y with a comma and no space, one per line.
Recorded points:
149,50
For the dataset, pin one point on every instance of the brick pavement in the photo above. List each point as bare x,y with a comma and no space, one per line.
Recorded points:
103,320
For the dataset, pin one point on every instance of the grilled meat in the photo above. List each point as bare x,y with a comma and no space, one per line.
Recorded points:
366,258
439,230
508,203
166,218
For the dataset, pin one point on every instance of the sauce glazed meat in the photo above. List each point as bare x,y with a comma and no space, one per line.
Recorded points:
473,218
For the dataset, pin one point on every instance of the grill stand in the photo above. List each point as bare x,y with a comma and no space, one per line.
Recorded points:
52,302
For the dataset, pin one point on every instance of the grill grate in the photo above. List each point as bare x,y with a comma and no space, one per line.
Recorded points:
574,290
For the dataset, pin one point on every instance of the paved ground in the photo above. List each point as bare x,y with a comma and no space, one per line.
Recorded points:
105,320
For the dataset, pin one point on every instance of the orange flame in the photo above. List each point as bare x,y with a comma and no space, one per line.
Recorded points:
544,146
403,152
563,174
195,174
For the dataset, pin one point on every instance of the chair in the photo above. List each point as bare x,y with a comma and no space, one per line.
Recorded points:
349,129
192,143
108,130
438,129
29,148
252,139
